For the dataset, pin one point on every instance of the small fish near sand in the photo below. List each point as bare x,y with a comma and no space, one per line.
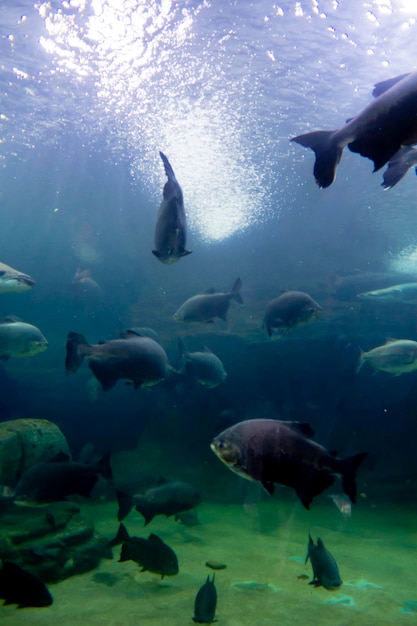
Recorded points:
377,132
21,587
203,366
206,307
140,360
396,356
171,227
19,339
166,499
205,603
271,451
290,309
152,553
13,281
325,569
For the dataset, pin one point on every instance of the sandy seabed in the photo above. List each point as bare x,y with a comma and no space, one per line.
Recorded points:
376,550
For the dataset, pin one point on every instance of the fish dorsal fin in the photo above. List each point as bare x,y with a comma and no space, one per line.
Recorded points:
155,539
301,427
10,319
167,166
129,334
206,349
384,85
390,340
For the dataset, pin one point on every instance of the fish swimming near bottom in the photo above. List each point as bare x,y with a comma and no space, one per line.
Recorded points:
396,356
325,569
138,359
152,553
271,451
12,280
21,587
205,603
19,339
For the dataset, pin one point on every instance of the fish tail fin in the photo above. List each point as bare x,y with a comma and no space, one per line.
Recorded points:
74,358
348,471
361,361
328,155
167,165
122,535
237,286
125,502
103,467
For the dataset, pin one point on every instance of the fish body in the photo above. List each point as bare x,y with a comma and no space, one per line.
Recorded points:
205,367
396,356
21,587
291,308
19,339
398,166
152,553
405,293
205,603
377,132
57,479
171,228
166,499
13,281
271,451
205,307
348,287
138,359
325,569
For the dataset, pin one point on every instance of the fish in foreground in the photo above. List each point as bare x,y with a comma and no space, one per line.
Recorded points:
138,359
378,132
205,603
205,367
18,586
59,478
19,339
205,307
152,553
291,308
405,293
166,499
398,166
12,280
325,570
171,228
271,451
396,356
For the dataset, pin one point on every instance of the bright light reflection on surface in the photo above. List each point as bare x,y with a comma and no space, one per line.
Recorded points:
161,96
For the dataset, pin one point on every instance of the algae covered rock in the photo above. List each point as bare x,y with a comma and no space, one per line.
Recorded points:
26,442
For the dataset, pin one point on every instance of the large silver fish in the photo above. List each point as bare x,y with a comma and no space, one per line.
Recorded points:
378,132
205,307
396,356
19,339
171,228
12,280
405,293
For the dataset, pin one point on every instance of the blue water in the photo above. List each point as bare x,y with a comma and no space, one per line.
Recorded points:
90,92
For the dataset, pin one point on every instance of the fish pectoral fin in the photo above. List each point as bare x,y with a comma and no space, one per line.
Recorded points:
269,487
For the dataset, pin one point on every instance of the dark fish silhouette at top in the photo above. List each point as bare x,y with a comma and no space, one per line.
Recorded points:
18,586
271,451
398,166
377,132
171,227
325,570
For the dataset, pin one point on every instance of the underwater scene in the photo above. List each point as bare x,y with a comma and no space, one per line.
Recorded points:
208,312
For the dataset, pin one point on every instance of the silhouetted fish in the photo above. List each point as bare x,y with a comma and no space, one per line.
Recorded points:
138,359
290,309
205,603
325,570
205,307
204,366
271,451
378,132
152,553
18,586
171,228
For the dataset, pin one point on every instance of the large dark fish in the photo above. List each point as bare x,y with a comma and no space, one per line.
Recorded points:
138,359
18,586
59,478
398,166
152,553
205,603
291,308
271,451
12,280
171,228
378,132
205,307
166,499
325,570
